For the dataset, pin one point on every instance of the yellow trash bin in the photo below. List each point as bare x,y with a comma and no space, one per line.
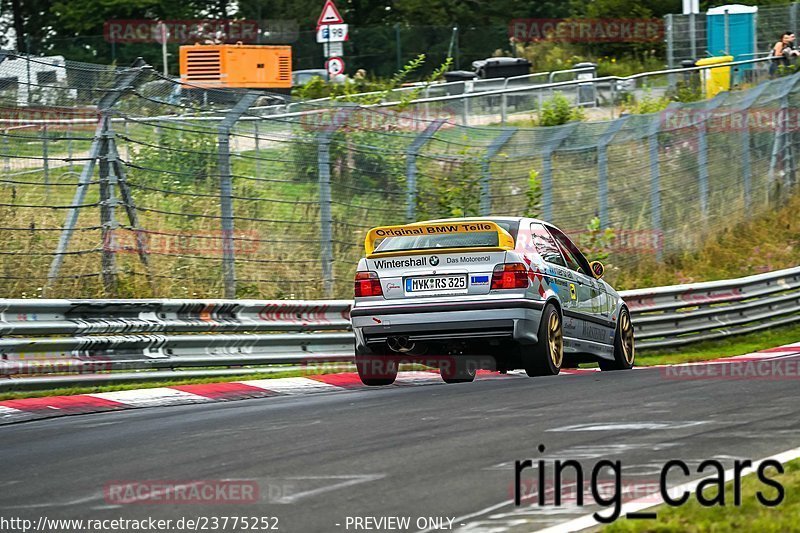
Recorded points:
715,80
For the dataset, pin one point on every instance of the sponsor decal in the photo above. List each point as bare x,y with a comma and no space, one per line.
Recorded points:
468,259
402,263
479,280
572,292
430,230
593,332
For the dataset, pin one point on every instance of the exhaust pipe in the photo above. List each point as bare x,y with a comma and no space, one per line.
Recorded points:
400,344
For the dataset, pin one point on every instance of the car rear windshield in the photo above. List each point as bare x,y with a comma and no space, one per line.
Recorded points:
475,239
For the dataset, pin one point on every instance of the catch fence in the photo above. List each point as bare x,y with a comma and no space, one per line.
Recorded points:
118,182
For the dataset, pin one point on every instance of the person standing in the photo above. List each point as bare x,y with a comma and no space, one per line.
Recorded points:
783,52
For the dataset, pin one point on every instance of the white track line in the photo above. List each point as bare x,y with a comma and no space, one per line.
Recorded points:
151,397
292,386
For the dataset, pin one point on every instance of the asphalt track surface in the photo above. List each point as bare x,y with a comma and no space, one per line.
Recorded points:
426,451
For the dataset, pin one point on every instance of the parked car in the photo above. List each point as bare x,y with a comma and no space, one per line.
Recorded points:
302,77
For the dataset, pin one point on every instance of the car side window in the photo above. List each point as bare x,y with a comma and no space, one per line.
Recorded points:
545,245
574,257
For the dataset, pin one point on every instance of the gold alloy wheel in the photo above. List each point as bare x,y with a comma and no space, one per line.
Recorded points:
555,340
626,337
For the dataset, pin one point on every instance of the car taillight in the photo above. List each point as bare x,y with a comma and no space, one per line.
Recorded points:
510,276
367,284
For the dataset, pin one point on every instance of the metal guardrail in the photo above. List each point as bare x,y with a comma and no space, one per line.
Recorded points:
112,338
677,315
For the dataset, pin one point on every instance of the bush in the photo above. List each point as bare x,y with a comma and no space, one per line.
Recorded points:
558,110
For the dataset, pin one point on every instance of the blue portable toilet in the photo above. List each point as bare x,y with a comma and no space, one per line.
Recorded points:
731,30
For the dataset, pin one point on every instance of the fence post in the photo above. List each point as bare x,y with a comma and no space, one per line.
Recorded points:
702,168
325,214
45,160
727,33
6,152
69,146
746,170
693,35
547,167
670,40
411,167
108,221
226,190
123,85
495,146
602,168
258,149
655,182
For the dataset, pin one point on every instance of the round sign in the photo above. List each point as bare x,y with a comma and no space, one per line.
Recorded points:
334,66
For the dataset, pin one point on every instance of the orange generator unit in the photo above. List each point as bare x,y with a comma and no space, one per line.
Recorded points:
237,66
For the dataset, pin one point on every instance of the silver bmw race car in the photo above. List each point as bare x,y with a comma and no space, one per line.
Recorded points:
499,293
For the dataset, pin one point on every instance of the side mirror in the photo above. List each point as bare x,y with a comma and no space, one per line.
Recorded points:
597,269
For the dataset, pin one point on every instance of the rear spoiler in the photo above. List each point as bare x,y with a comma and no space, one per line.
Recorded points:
504,239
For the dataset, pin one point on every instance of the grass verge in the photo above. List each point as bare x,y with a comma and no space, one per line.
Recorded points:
739,345
750,516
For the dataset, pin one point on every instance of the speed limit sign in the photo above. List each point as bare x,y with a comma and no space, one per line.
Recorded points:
334,66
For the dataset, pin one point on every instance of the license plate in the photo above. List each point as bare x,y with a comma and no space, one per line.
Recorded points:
441,284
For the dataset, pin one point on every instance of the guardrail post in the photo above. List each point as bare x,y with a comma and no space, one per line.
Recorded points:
495,146
325,214
226,191
411,167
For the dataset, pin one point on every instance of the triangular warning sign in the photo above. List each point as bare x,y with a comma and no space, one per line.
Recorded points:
329,15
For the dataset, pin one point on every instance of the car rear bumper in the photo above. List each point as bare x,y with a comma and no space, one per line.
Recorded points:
516,319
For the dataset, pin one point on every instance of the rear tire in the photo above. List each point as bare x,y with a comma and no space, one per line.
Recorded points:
624,348
458,370
547,356
376,370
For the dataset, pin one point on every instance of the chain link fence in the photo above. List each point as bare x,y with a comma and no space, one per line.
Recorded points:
118,182
686,36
